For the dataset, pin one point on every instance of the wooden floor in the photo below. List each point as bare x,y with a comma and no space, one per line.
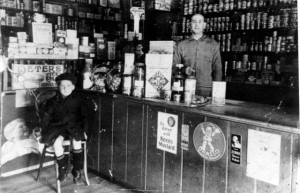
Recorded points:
26,183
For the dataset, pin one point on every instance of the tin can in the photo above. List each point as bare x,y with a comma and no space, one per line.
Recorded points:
167,95
177,98
188,97
127,82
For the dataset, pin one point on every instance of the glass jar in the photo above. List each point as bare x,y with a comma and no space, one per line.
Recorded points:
138,80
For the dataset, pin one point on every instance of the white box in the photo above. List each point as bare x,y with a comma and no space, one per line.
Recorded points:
161,47
71,33
74,41
129,63
42,34
158,76
218,93
13,39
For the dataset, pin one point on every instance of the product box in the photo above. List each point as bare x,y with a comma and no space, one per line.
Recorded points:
54,9
158,74
161,47
22,36
111,47
72,52
42,34
13,39
71,33
101,48
218,93
74,41
129,63
163,5
114,3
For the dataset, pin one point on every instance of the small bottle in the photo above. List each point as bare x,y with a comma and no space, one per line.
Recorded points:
178,84
87,83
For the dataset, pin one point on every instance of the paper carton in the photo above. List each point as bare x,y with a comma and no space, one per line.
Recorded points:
158,74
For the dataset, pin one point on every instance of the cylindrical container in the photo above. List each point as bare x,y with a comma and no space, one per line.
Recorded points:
188,97
70,12
177,98
85,40
167,95
127,82
190,87
138,80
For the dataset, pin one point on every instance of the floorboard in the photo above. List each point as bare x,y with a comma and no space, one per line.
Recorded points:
26,182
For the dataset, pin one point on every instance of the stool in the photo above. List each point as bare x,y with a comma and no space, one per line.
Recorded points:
66,143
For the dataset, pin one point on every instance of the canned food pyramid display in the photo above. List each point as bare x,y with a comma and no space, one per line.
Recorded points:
209,141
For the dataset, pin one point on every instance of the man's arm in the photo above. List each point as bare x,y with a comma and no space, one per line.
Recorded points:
217,65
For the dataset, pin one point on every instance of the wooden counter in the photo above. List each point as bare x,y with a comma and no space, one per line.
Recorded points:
124,146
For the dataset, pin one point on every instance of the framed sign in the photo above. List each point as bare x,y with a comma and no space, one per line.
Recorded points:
167,130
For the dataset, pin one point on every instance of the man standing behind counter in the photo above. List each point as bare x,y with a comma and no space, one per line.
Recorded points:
202,54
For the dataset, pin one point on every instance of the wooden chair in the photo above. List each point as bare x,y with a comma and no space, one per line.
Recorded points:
40,98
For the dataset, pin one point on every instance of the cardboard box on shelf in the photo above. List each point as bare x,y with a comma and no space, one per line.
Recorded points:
161,47
42,34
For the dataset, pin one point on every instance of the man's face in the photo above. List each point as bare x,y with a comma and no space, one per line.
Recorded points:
197,24
66,87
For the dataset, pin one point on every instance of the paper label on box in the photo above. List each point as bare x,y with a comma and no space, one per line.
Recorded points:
218,92
158,76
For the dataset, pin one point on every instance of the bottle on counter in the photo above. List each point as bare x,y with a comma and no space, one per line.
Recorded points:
126,84
178,84
87,83
190,88
138,80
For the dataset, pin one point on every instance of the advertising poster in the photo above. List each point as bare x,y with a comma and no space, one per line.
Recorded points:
158,76
167,132
35,76
209,141
19,142
236,148
263,156
185,137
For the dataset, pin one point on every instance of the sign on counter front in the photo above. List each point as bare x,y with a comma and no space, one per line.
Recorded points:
167,131
263,156
35,76
209,141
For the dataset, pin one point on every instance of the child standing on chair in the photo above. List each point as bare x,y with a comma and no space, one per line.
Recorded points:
65,117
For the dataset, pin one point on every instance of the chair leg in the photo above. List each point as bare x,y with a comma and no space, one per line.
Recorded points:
85,165
41,163
58,190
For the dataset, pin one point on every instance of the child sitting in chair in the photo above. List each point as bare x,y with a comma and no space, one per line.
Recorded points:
64,116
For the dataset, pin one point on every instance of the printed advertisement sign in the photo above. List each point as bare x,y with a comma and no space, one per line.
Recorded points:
167,126
185,137
35,76
209,141
263,156
236,148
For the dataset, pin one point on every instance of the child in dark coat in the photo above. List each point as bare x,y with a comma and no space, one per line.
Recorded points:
64,115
